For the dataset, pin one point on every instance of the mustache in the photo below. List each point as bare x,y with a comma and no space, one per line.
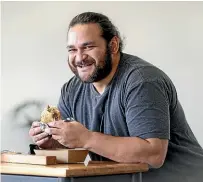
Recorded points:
84,63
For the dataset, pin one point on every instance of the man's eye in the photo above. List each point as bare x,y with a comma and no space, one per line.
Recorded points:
71,50
89,47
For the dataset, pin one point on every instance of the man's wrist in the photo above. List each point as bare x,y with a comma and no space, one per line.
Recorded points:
89,139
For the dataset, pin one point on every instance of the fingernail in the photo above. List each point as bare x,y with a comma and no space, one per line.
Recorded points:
48,131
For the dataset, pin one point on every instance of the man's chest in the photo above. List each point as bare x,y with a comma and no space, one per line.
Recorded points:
104,113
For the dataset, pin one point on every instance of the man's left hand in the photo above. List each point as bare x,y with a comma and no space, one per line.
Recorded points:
70,134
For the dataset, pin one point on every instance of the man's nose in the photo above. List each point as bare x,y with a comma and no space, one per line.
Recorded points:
80,56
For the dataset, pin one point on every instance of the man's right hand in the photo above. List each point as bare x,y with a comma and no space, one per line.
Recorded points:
40,138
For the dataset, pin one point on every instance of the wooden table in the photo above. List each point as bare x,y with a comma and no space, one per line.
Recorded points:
93,172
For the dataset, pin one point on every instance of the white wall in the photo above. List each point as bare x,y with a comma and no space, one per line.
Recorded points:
167,34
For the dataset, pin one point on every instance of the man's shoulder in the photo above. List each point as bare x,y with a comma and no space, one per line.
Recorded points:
72,84
134,60
140,70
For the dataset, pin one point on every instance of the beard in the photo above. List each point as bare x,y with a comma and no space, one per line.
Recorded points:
100,72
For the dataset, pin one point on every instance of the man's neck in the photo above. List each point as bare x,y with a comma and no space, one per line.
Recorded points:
102,84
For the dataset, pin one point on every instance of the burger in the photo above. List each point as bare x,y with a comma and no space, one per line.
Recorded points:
49,114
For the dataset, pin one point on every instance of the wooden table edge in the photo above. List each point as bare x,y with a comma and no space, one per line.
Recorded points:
73,170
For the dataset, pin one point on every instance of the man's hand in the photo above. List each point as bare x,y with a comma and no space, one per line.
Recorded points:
70,134
42,139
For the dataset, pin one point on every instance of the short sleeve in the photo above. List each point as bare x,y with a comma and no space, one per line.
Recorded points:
63,103
147,110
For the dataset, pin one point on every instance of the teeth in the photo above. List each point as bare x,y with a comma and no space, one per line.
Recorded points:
82,66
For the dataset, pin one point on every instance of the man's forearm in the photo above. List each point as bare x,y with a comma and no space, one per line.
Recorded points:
124,149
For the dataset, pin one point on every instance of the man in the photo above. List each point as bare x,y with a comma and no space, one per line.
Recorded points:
124,108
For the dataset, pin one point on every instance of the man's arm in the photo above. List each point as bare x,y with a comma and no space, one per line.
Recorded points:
121,149
128,149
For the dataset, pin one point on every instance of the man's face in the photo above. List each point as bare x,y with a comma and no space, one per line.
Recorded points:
88,55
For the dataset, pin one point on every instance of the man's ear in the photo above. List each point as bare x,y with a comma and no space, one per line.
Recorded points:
114,45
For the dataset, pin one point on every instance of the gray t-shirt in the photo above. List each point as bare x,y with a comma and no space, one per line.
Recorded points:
140,101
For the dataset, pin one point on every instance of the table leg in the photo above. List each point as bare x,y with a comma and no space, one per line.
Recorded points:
137,177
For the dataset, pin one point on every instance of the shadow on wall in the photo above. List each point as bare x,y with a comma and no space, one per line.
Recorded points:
26,112
17,122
